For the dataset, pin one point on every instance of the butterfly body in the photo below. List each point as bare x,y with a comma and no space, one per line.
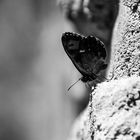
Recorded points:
88,54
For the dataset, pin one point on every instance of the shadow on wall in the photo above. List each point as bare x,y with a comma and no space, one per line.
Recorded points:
34,72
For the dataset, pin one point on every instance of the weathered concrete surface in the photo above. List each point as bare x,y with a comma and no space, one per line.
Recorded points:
125,59
113,113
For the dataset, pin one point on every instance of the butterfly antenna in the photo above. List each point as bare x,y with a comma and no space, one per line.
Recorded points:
74,83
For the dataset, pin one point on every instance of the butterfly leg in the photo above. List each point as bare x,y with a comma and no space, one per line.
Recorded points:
89,86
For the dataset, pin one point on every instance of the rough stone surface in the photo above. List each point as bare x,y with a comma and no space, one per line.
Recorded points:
126,40
116,110
112,114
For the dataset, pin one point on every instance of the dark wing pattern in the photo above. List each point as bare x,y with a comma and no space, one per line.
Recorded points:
88,54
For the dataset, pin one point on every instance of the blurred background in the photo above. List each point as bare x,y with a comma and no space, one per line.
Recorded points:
35,73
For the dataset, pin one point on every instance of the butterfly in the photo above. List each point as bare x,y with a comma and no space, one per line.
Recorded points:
88,54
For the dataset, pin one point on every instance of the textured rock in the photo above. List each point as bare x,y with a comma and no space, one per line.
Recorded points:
126,40
113,113
116,110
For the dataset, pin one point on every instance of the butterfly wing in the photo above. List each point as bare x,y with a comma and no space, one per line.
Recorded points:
87,54
71,43
94,55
